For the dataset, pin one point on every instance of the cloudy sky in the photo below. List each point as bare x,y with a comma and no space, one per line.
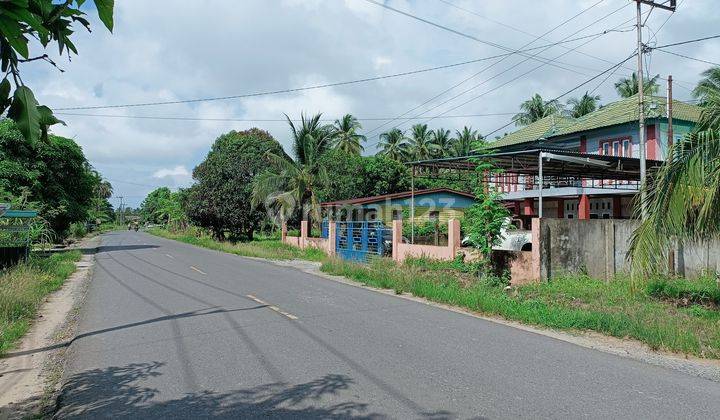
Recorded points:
218,48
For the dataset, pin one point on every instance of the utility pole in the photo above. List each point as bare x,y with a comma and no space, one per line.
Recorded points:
641,118
641,96
121,216
669,109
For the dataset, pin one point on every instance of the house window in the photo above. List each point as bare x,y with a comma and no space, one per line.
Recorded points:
616,147
627,148
434,216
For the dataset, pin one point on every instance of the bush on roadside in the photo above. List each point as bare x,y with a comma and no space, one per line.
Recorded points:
23,289
78,230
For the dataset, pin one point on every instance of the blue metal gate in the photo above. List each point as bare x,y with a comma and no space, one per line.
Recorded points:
357,241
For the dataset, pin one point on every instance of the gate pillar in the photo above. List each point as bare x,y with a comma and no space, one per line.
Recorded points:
332,238
396,239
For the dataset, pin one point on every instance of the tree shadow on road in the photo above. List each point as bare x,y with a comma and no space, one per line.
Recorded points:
116,392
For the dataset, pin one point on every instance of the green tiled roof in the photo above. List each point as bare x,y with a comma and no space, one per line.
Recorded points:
545,127
620,112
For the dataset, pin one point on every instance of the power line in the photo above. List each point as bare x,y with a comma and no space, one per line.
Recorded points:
319,86
490,66
688,57
686,42
185,118
514,66
571,90
460,33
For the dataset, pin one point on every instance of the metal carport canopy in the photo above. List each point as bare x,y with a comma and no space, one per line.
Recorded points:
556,163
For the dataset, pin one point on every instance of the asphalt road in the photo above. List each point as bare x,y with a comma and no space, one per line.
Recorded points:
173,331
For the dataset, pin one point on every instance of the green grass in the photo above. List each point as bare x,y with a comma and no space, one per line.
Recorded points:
23,289
704,291
262,248
576,303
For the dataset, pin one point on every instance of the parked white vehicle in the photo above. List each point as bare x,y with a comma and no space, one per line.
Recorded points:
513,239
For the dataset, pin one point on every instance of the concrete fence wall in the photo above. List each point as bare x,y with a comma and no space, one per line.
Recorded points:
402,251
305,241
599,248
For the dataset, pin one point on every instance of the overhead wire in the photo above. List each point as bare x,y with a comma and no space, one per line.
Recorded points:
318,86
425,102
499,74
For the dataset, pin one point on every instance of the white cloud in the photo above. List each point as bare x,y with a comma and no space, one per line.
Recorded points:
228,47
178,171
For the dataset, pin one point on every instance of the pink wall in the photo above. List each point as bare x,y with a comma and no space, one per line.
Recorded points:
304,241
402,251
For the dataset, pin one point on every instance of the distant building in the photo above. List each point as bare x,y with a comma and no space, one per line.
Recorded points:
439,204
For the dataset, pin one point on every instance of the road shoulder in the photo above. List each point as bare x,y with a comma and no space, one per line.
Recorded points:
30,374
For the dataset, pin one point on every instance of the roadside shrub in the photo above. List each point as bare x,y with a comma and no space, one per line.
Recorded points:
702,291
78,230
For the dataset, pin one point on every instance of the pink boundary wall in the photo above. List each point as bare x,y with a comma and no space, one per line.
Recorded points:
305,241
402,251
523,269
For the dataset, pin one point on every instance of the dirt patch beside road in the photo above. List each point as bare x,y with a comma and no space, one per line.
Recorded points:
29,374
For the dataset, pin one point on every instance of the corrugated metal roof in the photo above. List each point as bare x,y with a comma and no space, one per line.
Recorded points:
542,128
620,112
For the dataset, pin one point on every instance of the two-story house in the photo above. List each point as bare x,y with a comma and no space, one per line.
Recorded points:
612,131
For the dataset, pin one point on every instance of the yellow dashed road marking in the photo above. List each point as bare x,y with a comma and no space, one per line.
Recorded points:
198,270
274,308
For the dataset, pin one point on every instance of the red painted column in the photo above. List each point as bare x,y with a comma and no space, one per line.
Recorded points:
517,208
651,142
617,208
528,205
561,208
584,207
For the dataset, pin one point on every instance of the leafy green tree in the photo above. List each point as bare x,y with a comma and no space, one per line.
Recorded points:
220,200
47,22
352,176
393,144
291,186
628,86
54,174
345,136
149,208
483,221
441,138
534,109
577,107
421,143
382,175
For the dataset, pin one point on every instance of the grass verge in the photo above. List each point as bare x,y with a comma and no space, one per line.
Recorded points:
575,303
271,248
23,289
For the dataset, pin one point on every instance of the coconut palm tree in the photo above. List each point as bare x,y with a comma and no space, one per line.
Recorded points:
465,141
535,109
291,184
577,107
345,136
394,145
421,142
628,86
708,92
441,138
683,199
